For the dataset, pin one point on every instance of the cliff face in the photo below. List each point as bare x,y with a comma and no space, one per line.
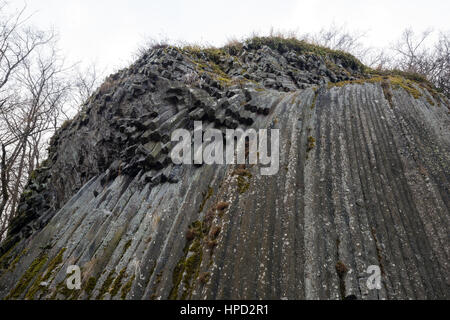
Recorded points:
363,180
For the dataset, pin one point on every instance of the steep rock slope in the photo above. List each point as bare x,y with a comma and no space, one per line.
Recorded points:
363,180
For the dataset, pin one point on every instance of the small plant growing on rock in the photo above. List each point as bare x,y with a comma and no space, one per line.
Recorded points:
190,235
106,86
222,206
211,244
65,124
215,231
203,278
209,215
311,144
341,269
242,172
243,179
387,91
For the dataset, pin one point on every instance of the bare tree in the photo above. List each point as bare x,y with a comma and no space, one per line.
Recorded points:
34,86
439,67
339,38
16,44
149,43
379,59
4,178
413,54
85,81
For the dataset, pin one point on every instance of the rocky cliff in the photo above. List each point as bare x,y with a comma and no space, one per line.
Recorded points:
363,180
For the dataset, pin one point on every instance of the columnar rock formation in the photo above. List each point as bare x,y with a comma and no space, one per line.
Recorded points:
363,180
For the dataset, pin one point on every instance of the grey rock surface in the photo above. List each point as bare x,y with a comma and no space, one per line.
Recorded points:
363,180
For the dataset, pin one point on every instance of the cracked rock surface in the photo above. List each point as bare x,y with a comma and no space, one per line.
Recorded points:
363,180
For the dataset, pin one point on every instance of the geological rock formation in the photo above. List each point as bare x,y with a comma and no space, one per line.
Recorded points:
363,181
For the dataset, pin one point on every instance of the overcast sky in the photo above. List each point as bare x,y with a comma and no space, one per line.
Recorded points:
107,32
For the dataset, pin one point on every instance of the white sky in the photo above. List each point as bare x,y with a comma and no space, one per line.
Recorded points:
107,32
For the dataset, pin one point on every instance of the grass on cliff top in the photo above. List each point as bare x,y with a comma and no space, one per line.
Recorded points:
279,43
411,82
283,44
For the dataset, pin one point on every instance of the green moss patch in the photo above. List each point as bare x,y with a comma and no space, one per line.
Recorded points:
243,184
118,282
395,82
187,270
54,263
28,276
206,197
106,286
90,286
127,287
126,246
282,44
311,144
67,293
243,179
112,284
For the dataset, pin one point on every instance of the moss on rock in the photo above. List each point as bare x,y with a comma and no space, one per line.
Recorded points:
127,287
28,276
90,286
117,282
